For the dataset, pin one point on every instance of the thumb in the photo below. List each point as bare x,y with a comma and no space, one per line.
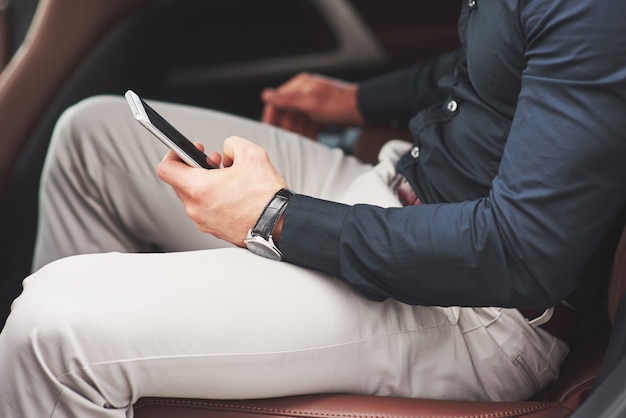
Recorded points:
233,146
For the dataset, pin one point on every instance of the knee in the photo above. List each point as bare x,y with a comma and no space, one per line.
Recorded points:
44,318
42,340
77,140
31,336
81,121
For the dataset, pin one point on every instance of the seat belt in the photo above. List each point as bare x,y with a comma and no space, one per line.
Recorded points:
4,33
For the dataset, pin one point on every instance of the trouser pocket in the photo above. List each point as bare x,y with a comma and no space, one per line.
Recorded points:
512,359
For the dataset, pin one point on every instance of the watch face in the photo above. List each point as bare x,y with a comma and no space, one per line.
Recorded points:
263,248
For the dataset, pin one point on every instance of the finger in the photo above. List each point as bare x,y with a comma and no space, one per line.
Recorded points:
295,83
299,123
228,153
281,119
296,100
172,170
310,129
245,151
267,94
293,94
270,114
285,120
214,159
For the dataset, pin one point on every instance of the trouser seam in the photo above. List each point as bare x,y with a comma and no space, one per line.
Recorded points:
266,353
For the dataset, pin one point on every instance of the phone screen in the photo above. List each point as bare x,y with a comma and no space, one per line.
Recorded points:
164,131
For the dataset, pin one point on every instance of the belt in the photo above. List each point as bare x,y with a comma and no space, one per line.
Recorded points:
561,323
406,194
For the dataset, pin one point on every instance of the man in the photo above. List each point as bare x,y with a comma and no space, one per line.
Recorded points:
516,173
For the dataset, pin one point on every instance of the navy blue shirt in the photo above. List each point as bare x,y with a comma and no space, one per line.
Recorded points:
521,166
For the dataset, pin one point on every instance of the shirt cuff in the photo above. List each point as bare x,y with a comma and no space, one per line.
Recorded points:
310,234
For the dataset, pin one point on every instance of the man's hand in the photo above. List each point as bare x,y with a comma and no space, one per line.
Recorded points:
225,202
308,102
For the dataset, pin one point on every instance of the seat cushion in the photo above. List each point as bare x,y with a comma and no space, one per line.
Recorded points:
343,406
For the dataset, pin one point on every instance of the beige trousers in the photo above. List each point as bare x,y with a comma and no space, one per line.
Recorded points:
92,333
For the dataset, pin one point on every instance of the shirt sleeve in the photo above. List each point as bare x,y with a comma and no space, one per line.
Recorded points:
392,99
560,186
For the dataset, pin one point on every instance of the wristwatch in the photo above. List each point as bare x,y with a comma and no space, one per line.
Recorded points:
259,239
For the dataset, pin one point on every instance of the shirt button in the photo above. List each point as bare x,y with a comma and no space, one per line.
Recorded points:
452,106
471,3
415,152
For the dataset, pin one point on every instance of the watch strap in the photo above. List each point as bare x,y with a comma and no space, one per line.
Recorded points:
271,214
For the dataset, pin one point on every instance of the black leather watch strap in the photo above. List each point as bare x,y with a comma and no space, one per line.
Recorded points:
271,214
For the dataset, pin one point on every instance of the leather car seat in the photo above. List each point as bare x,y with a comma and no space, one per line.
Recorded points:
577,376
53,47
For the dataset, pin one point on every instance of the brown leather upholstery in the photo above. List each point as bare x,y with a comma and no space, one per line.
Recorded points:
342,406
578,373
55,43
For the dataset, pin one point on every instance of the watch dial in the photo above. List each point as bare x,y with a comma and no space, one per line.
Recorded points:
263,250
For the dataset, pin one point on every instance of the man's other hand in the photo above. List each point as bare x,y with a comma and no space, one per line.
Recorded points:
308,102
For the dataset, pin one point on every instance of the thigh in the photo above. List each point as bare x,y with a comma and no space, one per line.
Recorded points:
223,324
106,329
101,175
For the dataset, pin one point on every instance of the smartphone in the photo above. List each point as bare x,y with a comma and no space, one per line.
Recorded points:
165,132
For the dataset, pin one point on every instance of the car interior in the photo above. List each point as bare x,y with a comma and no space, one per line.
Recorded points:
220,54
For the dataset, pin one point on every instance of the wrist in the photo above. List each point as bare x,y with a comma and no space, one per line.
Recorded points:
261,239
355,114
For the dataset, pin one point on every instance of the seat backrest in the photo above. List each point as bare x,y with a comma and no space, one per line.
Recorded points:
53,47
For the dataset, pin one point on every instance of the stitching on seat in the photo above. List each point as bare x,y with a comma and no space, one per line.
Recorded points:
186,403
580,388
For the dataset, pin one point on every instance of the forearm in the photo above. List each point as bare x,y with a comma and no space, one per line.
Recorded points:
467,254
